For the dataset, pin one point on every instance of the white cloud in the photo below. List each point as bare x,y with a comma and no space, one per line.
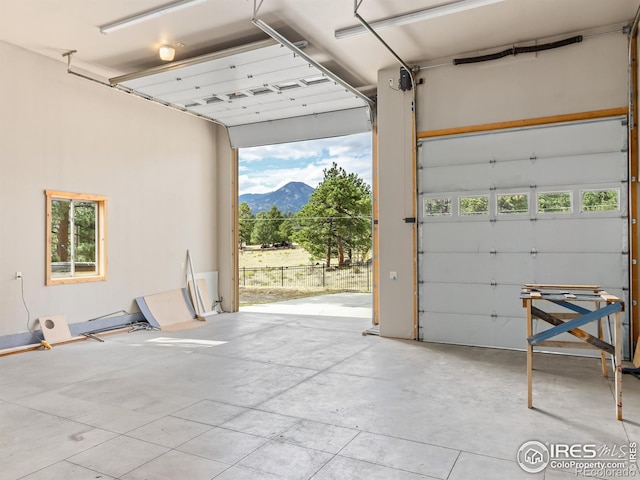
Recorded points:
353,153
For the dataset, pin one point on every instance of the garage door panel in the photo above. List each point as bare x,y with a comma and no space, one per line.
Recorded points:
484,331
473,256
469,236
606,270
484,269
471,299
458,267
524,173
511,235
580,235
572,234
566,140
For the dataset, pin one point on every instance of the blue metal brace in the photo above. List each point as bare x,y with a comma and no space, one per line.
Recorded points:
575,323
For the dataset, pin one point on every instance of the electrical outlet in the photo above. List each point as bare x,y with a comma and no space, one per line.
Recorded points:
393,276
18,275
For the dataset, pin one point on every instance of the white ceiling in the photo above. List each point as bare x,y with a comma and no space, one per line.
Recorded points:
52,27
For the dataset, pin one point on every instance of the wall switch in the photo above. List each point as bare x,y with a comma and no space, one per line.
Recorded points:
18,275
393,275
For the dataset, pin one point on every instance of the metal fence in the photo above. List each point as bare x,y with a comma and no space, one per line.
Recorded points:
356,278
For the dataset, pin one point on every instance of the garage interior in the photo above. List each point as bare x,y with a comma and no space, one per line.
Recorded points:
495,123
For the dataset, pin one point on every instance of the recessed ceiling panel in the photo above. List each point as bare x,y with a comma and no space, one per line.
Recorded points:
259,83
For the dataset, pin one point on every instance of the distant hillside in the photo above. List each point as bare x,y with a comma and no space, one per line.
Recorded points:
290,198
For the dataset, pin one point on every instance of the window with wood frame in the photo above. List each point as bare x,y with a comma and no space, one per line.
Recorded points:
76,237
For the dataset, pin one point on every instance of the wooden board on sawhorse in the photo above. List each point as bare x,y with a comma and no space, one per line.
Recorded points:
572,298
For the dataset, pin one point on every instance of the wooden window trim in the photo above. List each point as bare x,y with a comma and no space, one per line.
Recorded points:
101,241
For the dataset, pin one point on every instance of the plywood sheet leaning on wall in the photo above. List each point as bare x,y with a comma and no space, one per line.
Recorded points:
55,329
169,310
201,299
212,286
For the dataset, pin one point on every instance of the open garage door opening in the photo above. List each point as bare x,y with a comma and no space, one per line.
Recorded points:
305,223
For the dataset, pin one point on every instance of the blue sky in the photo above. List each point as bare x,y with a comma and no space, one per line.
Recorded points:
265,169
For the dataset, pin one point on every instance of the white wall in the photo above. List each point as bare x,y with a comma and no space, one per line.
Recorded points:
584,77
160,169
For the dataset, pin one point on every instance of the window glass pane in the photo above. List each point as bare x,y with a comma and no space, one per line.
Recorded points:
474,205
85,237
60,237
437,206
554,202
513,203
600,200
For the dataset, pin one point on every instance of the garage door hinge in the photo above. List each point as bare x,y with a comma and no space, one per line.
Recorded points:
625,253
533,158
492,161
492,220
494,315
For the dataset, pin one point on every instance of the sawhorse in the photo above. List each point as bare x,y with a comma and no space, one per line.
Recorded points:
570,297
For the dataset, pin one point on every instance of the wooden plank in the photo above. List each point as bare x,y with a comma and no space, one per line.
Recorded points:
529,356
603,355
32,347
636,355
618,359
203,295
549,286
609,298
632,142
576,332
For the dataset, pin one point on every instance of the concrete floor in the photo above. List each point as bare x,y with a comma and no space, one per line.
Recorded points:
293,396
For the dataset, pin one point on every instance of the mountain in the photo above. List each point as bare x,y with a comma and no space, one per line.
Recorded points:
289,198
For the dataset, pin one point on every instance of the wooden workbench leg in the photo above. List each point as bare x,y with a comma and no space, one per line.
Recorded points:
618,369
529,356
603,354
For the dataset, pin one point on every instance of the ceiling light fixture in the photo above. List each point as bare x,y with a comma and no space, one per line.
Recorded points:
167,53
148,15
417,16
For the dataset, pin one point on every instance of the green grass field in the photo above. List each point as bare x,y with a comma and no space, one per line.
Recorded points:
255,257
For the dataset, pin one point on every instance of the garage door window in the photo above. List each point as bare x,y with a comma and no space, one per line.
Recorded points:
601,200
513,204
437,207
554,202
477,205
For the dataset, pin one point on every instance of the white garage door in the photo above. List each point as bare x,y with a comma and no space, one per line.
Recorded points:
545,204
